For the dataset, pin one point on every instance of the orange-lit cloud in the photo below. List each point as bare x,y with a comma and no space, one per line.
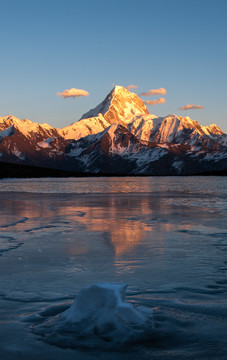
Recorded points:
131,87
191,107
155,102
73,93
151,92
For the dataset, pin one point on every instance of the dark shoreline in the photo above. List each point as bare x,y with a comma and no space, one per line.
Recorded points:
10,170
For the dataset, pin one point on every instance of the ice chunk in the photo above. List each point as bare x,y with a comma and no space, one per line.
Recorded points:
99,317
94,299
103,303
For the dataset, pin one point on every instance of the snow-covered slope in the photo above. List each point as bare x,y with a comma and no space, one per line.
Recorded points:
172,129
84,127
7,132
29,143
116,139
114,151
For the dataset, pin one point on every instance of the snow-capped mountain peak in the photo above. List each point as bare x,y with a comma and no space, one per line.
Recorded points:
25,126
212,129
119,136
120,106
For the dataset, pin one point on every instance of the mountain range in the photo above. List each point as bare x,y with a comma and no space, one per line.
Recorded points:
117,137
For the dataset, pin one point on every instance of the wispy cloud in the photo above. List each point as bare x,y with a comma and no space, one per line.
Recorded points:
131,87
191,107
160,91
155,102
73,93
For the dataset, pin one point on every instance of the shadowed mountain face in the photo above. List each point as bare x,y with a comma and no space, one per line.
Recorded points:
119,136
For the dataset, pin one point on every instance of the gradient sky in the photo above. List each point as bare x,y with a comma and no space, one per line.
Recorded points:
50,46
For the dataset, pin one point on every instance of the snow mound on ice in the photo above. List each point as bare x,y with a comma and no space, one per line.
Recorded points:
98,317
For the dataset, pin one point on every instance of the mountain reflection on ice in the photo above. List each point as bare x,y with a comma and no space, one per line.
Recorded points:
117,217
165,237
124,220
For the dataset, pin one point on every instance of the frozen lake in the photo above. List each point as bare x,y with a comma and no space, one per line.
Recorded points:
166,237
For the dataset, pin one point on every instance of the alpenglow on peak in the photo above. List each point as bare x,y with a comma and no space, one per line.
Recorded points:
119,106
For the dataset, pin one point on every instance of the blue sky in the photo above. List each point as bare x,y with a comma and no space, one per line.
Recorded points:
50,46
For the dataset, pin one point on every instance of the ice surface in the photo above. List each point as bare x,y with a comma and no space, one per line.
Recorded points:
164,236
